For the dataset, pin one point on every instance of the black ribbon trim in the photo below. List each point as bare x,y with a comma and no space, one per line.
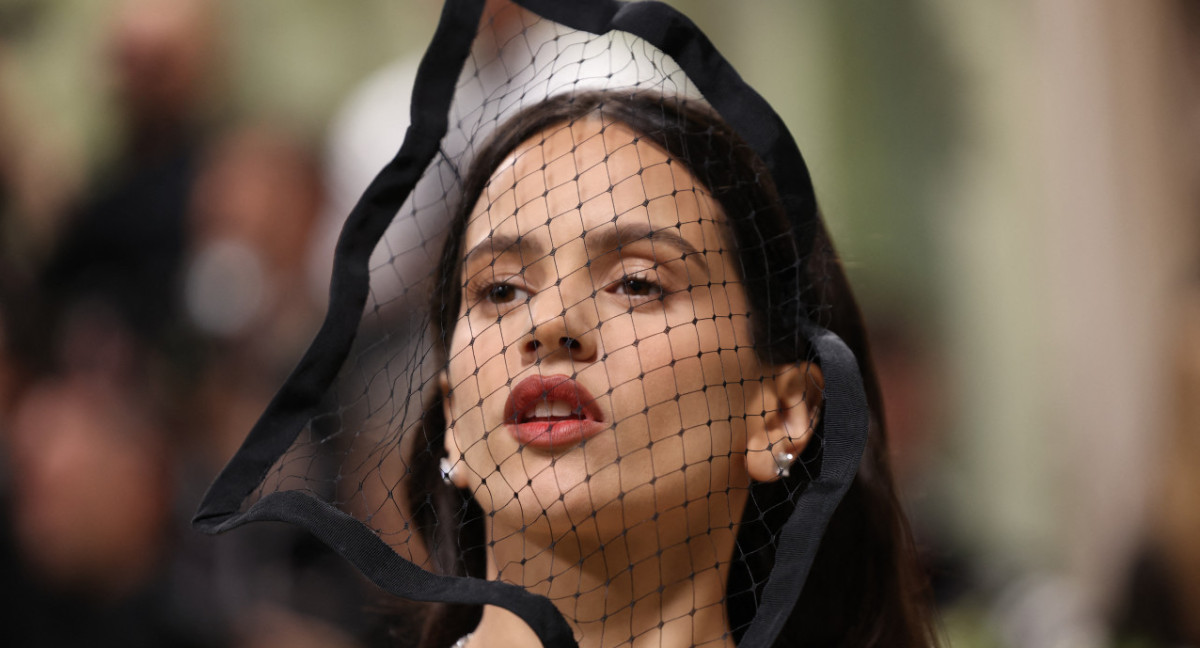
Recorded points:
675,35
358,544
298,399
847,419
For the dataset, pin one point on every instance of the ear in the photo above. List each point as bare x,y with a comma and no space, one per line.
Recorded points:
791,408
458,473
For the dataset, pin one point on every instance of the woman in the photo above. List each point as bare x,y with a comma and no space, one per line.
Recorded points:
627,408
640,410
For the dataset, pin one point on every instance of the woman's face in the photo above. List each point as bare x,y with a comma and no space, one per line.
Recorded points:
601,369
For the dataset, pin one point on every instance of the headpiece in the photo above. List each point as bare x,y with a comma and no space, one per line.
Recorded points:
353,448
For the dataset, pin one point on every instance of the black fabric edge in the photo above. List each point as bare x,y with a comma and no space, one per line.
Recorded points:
675,35
297,400
847,420
358,544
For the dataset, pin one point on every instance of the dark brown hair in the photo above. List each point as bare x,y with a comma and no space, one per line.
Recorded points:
865,587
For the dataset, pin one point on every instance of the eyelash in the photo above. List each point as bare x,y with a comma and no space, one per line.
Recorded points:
486,291
644,281
639,286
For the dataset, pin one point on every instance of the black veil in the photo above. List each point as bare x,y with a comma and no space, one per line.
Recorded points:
334,447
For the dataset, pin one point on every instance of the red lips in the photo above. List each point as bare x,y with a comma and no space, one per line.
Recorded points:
575,415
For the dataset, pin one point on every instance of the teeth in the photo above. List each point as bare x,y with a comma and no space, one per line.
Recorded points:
551,409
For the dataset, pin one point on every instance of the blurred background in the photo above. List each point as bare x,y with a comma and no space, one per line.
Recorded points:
1014,188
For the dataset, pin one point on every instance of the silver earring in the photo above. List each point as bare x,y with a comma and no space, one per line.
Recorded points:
447,470
783,462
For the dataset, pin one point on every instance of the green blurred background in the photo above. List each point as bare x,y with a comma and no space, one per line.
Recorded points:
1011,187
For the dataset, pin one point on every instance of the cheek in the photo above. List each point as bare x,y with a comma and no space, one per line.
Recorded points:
679,394
475,371
480,369
683,366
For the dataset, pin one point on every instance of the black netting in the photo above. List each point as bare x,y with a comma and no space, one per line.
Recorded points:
576,350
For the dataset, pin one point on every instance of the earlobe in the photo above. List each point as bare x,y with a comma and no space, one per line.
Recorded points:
792,404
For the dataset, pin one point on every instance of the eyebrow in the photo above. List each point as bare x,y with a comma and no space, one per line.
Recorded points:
497,245
612,239
603,242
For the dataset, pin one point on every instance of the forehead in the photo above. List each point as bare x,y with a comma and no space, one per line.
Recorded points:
571,180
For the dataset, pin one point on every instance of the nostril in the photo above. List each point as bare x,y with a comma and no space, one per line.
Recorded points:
569,343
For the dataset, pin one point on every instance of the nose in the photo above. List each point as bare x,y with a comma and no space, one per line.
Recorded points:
557,329
576,348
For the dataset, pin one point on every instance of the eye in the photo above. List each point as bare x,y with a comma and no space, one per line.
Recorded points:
503,293
638,286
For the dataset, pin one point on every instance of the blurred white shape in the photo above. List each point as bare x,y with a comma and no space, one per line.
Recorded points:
1046,611
225,289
